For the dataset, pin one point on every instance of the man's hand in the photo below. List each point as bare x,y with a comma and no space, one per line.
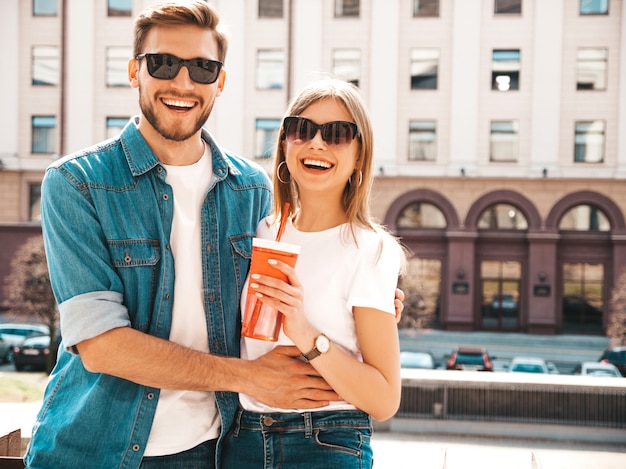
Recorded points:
282,380
397,303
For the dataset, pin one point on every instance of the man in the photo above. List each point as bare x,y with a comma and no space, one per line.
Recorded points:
148,239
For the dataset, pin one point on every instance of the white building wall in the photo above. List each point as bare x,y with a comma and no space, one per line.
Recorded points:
9,80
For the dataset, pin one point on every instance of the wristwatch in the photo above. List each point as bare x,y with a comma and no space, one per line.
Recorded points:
322,344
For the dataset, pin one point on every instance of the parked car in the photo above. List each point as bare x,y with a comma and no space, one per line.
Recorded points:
528,365
464,358
597,369
33,352
4,350
504,302
417,360
14,333
617,357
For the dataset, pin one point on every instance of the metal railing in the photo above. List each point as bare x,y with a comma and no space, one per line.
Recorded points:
508,397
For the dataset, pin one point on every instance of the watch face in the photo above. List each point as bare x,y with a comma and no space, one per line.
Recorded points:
322,344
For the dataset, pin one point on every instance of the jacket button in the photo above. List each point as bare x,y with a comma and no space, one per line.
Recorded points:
135,447
150,396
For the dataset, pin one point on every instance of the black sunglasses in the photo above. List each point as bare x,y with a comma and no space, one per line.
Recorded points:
167,66
301,129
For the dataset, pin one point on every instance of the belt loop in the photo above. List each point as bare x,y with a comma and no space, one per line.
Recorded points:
237,422
308,424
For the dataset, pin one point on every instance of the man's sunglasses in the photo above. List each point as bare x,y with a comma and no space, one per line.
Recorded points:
301,129
167,66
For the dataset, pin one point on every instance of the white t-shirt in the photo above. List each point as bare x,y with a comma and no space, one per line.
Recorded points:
337,275
184,419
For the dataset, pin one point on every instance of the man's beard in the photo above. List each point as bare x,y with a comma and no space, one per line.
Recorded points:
177,135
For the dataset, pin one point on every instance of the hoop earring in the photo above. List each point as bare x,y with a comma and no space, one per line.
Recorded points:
360,178
278,173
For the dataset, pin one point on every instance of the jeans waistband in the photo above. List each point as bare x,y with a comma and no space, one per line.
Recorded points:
302,421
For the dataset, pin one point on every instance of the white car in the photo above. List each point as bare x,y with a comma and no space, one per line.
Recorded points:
599,369
14,333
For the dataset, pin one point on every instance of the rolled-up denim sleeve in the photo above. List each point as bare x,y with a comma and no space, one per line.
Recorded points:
89,315
86,285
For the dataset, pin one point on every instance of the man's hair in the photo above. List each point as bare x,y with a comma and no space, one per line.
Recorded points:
172,13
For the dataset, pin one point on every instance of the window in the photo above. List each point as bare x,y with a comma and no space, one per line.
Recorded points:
119,7
594,7
589,142
591,69
505,70
422,140
270,8
34,201
345,8
421,215
425,8
266,137
115,125
117,66
424,69
502,217
583,298
347,65
44,7
584,218
44,134
504,141
270,69
45,66
507,6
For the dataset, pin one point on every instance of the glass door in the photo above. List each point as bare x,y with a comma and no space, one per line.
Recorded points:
583,298
500,295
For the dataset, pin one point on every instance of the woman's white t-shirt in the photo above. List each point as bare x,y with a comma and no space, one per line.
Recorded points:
337,274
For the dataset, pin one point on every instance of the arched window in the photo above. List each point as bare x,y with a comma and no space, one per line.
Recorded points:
502,217
421,215
584,218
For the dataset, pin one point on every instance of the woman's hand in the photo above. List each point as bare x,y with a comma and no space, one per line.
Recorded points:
286,297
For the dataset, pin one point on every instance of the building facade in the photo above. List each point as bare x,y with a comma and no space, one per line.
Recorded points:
500,130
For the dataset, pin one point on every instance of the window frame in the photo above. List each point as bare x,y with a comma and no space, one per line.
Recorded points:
493,142
264,57
47,3
582,11
425,11
268,9
47,138
40,60
581,150
351,64
424,61
503,4
264,135
121,60
119,12
422,140
347,8
506,68
604,61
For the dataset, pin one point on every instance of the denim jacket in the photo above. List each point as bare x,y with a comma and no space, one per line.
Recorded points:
106,218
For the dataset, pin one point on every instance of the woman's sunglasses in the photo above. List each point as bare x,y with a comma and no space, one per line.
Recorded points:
167,66
301,129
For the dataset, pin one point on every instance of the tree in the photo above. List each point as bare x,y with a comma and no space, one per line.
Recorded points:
616,330
28,292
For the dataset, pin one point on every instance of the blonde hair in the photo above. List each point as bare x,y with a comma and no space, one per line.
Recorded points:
357,191
191,12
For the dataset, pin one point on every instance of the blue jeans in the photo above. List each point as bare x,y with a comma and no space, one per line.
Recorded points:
200,457
309,440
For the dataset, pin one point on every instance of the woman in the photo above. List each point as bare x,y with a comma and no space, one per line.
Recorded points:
337,303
